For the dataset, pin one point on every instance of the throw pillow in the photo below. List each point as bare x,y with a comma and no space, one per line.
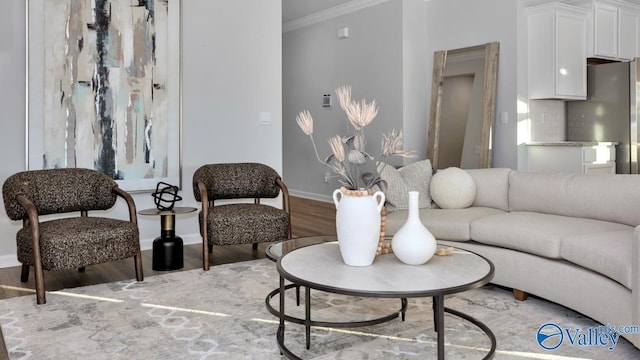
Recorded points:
413,177
453,188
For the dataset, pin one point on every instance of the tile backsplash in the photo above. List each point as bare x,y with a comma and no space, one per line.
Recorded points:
547,120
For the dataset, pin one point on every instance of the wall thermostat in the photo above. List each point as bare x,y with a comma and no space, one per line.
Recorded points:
326,100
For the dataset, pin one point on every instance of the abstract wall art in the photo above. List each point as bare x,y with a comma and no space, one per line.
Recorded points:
104,88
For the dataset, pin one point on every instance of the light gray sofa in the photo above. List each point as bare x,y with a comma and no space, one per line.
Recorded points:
572,239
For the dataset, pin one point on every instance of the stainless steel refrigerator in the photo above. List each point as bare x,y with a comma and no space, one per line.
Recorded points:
610,111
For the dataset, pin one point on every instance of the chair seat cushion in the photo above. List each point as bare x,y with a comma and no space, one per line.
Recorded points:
70,243
246,224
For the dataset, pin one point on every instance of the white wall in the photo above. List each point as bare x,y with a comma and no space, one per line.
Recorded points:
390,58
231,72
461,23
415,74
383,59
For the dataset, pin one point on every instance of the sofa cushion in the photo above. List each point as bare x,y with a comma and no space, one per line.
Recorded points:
453,188
444,224
492,187
607,253
413,177
601,197
535,233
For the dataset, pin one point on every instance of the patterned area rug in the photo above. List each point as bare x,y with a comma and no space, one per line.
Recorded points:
220,314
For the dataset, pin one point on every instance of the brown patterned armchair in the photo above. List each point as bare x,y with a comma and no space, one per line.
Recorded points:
239,223
69,242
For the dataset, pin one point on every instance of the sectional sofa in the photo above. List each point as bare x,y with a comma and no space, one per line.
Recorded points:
569,238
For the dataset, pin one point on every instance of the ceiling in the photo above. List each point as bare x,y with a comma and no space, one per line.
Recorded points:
294,9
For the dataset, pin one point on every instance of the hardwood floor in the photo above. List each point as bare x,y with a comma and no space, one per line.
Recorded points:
308,217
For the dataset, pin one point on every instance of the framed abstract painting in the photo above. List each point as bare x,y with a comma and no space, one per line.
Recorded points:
104,88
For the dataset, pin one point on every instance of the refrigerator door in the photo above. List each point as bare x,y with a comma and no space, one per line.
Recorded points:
605,115
634,92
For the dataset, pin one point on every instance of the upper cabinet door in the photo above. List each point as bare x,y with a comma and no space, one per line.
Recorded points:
571,61
556,45
613,31
628,36
605,30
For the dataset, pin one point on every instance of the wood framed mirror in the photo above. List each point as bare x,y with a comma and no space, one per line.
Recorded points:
462,114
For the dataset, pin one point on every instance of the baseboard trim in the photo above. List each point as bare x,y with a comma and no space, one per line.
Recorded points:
9,261
311,196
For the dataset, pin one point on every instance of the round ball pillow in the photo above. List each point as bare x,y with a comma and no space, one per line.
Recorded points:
452,188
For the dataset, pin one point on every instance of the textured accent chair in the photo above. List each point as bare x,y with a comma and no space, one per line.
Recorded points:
240,222
65,242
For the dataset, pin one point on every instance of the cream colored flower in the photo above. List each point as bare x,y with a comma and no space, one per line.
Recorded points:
337,147
344,96
349,159
392,145
360,114
305,122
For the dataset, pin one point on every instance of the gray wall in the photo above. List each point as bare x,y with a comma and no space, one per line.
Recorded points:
461,23
316,62
389,58
231,72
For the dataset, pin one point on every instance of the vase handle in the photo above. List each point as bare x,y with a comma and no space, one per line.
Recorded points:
337,199
380,198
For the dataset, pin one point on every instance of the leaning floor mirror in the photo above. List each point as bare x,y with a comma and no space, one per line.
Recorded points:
463,97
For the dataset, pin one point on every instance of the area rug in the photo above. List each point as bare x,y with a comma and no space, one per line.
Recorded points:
220,314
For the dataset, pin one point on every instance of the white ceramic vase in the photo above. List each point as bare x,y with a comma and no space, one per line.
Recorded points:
413,244
358,225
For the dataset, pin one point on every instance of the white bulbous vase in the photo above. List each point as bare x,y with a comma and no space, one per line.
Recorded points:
358,225
413,244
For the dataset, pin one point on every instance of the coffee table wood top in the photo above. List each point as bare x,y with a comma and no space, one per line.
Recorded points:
321,267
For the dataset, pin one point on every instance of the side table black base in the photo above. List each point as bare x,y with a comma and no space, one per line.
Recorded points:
167,253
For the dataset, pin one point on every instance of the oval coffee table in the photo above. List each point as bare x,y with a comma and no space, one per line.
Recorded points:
321,267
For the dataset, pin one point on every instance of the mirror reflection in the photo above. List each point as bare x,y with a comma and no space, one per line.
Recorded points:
462,112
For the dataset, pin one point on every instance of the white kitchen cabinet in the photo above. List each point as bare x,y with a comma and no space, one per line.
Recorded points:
572,157
557,52
613,30
628,34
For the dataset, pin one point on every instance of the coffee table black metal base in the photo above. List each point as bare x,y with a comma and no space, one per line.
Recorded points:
320,267
438,317
480,325
335,324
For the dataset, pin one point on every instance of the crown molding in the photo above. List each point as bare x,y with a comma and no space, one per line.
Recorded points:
330,13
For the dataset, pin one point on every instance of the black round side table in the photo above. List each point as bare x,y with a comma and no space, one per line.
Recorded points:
167,248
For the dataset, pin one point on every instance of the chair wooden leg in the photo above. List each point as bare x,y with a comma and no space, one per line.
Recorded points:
137,261
40,287
24,275
206,250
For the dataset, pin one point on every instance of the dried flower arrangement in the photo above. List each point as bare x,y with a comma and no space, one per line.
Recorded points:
358,170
